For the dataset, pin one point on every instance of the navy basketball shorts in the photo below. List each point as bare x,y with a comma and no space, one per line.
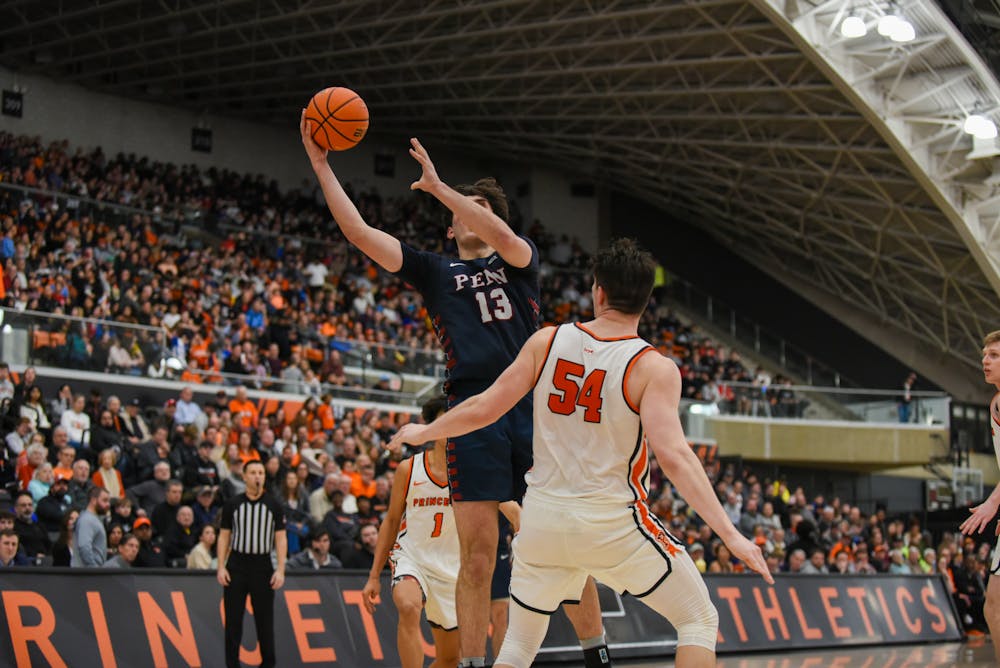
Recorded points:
489,464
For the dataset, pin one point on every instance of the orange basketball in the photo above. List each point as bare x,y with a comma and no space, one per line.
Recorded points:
338,117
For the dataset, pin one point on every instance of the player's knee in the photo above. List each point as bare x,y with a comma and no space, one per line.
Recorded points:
408,608
477,567
700,627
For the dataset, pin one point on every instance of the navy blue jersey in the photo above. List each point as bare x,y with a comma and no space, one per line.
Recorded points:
483,311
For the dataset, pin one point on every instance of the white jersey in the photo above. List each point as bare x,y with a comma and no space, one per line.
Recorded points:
427,533
588,442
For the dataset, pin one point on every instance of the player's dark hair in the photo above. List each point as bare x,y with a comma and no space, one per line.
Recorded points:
491,191
626,272
434,407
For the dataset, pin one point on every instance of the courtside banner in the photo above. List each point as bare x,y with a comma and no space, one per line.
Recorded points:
55,617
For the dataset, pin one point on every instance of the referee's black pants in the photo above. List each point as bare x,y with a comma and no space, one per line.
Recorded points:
252,578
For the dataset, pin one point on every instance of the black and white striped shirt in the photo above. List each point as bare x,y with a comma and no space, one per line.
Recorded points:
253,523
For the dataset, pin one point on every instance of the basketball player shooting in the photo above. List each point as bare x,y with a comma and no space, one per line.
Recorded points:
597,388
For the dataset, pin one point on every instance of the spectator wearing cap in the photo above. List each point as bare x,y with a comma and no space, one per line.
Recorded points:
80,484
205,508
106,475
10,552
202,471
317,556
697,552
90,540
149,494
51,509
188,412
76,422
150,552
134,424
128,551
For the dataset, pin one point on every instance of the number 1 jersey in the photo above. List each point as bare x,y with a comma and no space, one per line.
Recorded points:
588,442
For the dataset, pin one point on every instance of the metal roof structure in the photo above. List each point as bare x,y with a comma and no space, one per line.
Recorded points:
838,165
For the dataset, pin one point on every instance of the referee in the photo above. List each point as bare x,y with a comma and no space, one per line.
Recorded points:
252,525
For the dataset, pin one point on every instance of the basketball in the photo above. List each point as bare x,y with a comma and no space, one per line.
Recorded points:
339,118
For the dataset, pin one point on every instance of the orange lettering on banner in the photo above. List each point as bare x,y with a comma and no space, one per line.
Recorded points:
833,612
858,594
353,597
914,626
41,634
885,611
812,661
771,614
732,594
157,622
927,596
840,662
302,627
101,629
251,657
808,632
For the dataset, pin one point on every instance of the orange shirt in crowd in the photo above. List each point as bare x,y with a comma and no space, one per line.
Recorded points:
325,415
358,486
244,413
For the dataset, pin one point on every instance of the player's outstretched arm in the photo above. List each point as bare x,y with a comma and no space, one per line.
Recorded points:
659,394
380,246
982,514
387,533
488,406
488,226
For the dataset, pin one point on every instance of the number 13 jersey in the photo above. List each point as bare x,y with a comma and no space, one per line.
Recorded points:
588,442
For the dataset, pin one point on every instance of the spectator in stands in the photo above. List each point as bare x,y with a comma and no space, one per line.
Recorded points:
898,565
122,513
244,412
151,493
167,419
180,538
41,482
33,408
6,387
90,539
62,403
115,535
52,508
202,556
317,556
750,518
796,561
233,485
105,436
76,422
32,537
19,439
164,515
135,426
723,561
362,555
150,552
65,455
202,472
321,500
128,551
363,479
294,500
80,484
904,404
155,451
10,553
106,475
188,411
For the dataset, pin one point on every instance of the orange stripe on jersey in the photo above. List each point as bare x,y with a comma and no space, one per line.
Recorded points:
628,370
599,338
541,367
654,530
430,474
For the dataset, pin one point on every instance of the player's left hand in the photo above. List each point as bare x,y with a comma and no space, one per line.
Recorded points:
429,178
409,433
277,580
982,515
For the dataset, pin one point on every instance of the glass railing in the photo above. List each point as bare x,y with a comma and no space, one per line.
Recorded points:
776,349
372,372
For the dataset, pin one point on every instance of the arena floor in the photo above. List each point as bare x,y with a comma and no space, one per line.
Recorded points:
976,652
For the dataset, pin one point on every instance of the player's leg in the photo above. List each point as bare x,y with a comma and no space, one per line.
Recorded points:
409,600
498,621
234,597
991,609
445,648
524,636
500,591
476,522
589,626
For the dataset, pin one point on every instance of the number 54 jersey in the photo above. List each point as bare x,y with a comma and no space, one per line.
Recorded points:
588,442
427,536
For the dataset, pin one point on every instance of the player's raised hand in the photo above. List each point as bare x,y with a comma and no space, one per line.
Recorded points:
750,554
370,594
982,515
408,433
315,152
429,178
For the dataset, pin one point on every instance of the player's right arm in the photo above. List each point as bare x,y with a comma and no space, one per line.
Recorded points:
380,246
387,533
656,385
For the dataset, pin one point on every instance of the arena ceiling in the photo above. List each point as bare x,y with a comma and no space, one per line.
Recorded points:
838,166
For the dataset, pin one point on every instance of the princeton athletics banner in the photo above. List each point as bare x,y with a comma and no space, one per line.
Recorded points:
112,618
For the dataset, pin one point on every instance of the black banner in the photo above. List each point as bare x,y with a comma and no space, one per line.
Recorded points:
13,104
140,618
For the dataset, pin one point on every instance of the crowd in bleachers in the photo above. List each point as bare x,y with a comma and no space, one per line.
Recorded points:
269,303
